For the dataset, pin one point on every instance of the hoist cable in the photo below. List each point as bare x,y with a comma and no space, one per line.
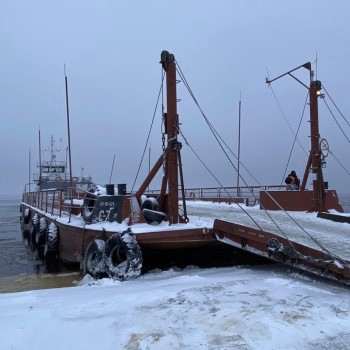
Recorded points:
295,138
346,121
283,114
216,179
339,162
335,119
217,136
150,129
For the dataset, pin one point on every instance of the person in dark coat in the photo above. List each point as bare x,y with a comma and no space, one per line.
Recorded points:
292,181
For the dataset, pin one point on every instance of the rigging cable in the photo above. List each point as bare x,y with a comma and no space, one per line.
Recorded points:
217,136
295,138
150,129
217,180
339,162
346,121
341,129
337,125
283,114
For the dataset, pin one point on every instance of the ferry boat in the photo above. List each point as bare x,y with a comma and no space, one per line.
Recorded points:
108,229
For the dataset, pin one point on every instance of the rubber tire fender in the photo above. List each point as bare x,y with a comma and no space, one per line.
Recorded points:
153,217
41,238
123,256
51,256
94,259
26,216
87,210
33,232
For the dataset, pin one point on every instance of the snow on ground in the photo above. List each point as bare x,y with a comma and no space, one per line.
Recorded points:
263,307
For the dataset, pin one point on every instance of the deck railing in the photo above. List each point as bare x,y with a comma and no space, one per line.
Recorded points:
249,194
56,201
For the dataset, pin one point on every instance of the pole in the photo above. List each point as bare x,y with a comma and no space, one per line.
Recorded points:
239,145
173,146
110,178
29,169
40,168
149,162
69,145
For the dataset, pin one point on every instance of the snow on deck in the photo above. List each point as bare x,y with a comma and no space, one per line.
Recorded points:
332,235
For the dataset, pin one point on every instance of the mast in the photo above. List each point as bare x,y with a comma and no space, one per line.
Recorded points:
239,145
171,157
68,127
315,153
171,129
69,146
29,166
40,165
314,163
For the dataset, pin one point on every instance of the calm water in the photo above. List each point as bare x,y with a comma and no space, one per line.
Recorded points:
18,269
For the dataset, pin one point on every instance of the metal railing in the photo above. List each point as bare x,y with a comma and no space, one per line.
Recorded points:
56,201
249,194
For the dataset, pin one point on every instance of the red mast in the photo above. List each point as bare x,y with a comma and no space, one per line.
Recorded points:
171,159
171,129
314,163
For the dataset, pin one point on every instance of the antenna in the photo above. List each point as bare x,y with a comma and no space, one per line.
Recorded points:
316,65
110,178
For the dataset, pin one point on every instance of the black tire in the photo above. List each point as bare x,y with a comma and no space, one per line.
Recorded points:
94,262
88,207
25,238
123,256
41,238
51,257
26,216
153,217
150,203
33,232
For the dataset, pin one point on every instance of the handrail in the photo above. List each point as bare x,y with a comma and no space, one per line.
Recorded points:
250,194
55,201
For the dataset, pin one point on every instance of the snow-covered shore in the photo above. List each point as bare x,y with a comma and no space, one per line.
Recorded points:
264,307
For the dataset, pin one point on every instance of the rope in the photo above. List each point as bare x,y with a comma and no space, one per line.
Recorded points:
217,137
336,121
346,121
339,162
284,116
216,179
295,137
150,129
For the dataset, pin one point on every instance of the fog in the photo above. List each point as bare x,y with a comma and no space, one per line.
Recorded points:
111,52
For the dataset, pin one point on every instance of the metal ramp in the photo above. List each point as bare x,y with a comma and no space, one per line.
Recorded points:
282,250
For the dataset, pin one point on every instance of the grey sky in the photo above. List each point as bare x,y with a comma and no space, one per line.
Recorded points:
112,49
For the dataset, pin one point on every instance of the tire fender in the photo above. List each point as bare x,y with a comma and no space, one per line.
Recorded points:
33,232
41,237
26,216
94,260
123,256
51,257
